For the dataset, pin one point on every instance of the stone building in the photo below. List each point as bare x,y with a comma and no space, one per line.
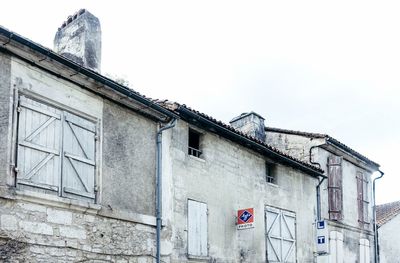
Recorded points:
388,220
91,170
346,196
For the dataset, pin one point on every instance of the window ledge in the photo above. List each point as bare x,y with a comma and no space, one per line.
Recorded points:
273,185
197,158
56,201
205,258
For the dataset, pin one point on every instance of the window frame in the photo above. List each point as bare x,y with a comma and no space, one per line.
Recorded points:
192,151
270,173
362,197
61,195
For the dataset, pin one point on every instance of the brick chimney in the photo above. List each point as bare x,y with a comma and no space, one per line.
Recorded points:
251,124
79,39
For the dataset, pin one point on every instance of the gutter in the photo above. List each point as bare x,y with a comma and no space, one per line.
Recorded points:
159,188
318,188
249,142
376,250
82,70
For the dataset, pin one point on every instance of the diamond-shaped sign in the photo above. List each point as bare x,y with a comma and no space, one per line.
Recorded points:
245,216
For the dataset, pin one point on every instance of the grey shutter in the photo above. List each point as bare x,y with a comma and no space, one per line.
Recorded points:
362,197
335,187
79,157
197,229
281,235
38,162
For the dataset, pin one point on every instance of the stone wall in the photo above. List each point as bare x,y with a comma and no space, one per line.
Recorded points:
49,234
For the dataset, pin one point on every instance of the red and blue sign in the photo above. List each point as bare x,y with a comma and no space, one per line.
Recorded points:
245,218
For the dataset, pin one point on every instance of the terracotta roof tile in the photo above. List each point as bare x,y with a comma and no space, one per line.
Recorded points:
385,212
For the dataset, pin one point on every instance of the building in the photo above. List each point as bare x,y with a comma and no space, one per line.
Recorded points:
93,171
346,196
388,220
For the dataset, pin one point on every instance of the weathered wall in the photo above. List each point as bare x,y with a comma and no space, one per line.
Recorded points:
128,160
389,249
5,111
49,228
352,230
48,234
228,178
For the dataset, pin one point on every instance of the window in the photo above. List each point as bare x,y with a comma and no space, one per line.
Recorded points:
56,151
336,247
335,187
362,197
197,229
270,172
364,251
194,143
280,235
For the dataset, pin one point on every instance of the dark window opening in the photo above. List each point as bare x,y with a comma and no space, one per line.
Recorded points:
194,143
270,171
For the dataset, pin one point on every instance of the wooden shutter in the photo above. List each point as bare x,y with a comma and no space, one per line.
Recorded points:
335,247
39,144
364,251
79,157
335,187
281,235
362,197
197,229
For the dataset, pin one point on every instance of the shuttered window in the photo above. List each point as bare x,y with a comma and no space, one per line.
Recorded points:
197,229
364,251
281,235
335,190
56,151
335,247
362,197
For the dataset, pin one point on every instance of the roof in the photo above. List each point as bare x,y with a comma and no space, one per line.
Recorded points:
228,131
386,212
53,56
328,138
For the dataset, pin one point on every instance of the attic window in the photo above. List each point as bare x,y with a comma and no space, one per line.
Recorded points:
270,172
194,143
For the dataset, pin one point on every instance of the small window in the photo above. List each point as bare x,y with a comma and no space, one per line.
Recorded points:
270,171
362,197
194,143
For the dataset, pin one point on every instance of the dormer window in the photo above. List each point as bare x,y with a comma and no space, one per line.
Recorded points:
194,143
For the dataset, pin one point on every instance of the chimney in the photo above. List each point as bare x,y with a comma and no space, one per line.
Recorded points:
251,124
79,39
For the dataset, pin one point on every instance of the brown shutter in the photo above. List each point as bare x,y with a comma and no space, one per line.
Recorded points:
335,187
360,196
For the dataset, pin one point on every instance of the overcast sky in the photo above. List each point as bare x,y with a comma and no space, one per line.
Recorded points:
305,65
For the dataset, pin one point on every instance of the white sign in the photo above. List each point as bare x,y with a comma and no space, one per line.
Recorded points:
322,237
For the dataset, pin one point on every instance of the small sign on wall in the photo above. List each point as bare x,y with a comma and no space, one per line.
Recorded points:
245,218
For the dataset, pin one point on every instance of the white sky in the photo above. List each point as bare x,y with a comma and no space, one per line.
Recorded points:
329,67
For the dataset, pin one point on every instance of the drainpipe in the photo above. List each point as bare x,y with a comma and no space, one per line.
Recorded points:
158,188
375,226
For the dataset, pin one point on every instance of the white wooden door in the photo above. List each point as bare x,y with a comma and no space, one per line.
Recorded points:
39,145
197,229
280,235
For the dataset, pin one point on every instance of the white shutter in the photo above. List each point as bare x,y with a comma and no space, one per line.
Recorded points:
38,161
364,251
79,157
336,247
197,229
281,235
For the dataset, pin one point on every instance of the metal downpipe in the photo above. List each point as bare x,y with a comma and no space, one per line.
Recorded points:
159,189
375,226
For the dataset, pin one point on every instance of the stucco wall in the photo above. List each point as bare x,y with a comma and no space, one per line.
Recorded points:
229,177
49,228
389,249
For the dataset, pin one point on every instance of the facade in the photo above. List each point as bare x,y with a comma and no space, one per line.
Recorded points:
93,171
346,195
388,220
